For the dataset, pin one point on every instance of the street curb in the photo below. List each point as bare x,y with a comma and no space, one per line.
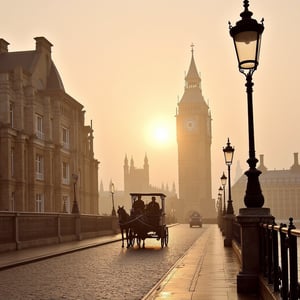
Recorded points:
54,254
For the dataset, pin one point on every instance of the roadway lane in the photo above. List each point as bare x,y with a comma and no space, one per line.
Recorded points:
105,272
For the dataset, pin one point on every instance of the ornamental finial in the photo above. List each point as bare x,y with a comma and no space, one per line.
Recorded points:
192,48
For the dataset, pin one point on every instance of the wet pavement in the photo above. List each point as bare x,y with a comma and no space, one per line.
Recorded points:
207,271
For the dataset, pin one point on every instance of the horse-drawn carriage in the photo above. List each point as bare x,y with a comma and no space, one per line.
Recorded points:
146,220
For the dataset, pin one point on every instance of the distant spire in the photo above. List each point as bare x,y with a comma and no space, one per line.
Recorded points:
131,163
192,49
126,160
146,160
192,79
126,167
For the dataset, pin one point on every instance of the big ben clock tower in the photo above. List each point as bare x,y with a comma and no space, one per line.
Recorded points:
193,122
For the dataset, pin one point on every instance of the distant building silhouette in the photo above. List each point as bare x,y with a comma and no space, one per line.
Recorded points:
238,172
137,180
194,149
281,190
43,139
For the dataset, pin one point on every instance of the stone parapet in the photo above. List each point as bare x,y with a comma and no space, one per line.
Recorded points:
25,230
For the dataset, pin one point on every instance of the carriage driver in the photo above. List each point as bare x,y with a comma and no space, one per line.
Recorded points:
138,205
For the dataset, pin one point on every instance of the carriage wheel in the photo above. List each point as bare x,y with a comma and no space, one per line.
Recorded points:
166,236
162,237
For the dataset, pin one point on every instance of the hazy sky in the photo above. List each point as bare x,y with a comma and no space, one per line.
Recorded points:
125,61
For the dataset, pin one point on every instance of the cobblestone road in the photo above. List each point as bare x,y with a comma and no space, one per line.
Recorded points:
105,272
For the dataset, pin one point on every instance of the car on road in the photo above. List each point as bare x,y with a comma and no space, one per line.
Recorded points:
195,219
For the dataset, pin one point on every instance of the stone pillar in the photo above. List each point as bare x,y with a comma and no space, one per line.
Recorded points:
228,218
249,220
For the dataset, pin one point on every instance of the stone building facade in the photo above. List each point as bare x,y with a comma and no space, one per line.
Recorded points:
46,149
281,190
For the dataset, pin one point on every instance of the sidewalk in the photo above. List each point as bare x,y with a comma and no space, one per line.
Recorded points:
207,272
15,258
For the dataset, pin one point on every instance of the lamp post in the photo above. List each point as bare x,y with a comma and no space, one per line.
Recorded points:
75,209
112,190
223,211
223,182
228,155
220,210
246,36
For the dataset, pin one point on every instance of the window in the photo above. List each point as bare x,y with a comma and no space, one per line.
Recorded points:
39,126
39,202
51,129
39,167
12,162
65,137
65,173
11,115
66,203
12,201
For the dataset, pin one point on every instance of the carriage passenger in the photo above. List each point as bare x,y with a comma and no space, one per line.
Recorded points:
153,211
153,206
138,206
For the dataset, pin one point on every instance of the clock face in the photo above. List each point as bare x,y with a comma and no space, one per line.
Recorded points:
190,124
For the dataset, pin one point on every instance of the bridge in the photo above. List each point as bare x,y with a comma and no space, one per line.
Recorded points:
214,267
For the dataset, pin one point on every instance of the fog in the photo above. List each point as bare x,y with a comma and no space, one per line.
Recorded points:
125,61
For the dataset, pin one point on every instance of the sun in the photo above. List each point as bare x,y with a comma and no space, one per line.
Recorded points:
160,133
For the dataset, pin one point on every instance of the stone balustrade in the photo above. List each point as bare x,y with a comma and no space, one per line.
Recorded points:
25,230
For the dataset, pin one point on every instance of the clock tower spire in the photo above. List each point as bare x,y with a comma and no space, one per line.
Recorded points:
193,121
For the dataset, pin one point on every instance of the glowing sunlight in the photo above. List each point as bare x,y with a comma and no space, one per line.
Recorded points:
160,133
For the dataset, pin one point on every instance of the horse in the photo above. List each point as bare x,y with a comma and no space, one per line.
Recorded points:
124,223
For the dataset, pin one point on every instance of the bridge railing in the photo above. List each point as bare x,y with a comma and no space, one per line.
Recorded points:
236,231
279,257
24,230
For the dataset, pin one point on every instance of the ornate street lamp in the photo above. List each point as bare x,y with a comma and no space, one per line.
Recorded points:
112,190
246,36
75,209
223,182
228,155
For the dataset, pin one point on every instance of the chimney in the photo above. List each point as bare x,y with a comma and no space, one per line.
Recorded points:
295,166
3,46
42,44
296,162
262,166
